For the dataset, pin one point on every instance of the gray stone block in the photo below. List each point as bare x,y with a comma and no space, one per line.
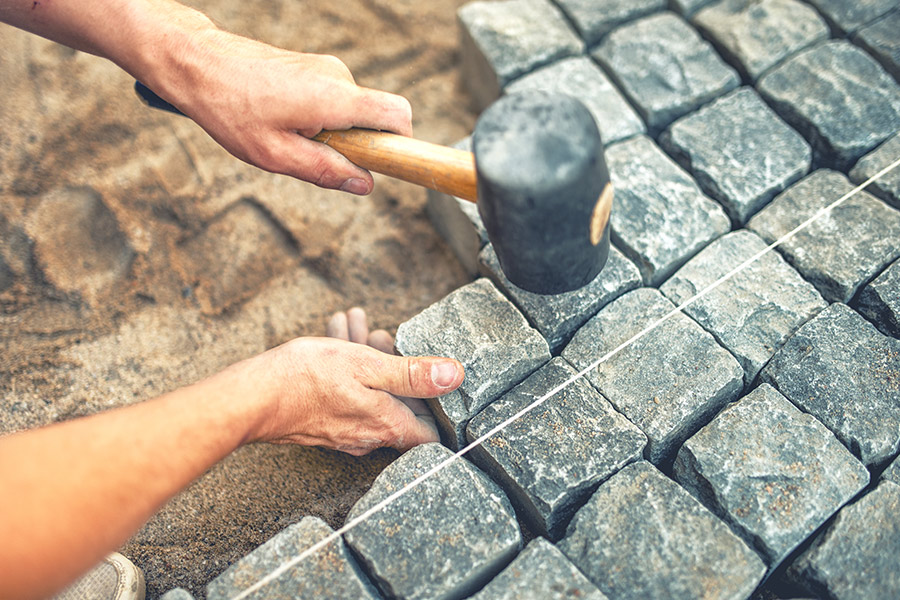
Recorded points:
483,330
177,594
858,556
774,473
755,35
841,249
660,217
643,536
664,67
445,538
670,382
595,18
888,186
688,7
881,40
558,316
892,473
847,17
838,97
500,41
880,301
330,572
841,370
540,572
551,459
754,312
740,151
582,78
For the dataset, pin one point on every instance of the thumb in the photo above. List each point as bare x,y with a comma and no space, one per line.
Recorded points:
420,377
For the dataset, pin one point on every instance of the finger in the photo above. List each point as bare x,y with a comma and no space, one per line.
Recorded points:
358,325
384,111
416,377
381,340
292,154
414,431
338,327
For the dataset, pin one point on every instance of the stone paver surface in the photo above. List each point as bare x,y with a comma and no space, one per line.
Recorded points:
848,16
888,186
881,40
892,473
880,301
593,21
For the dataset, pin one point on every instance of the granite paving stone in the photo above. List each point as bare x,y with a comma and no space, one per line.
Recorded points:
880,301
841,249
500,41
689,7
582,78
445,538
593,19
880,39
774,473
479,327
847,17
858,556
892,473
754,312
755,35
664,67
838,97
637,537
888,186
660,217
844,372
551,459
670,382
330,572
740,152
558,316
540,572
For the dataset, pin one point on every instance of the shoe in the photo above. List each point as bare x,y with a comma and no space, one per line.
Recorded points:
116,578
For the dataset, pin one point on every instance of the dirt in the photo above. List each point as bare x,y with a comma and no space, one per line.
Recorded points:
137,256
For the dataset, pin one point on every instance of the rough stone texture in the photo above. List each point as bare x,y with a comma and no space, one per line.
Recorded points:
177,594
880,301
840,369
668,388
838,97
881,40
500,41
756,35
594,19
888,186
741,153
892,473
847,17
858,556
841,249
688,7
664,67
774,473
483,330
558,316
660,218
754,312
552,458
330,572
637,537
443,539
582,78
540,572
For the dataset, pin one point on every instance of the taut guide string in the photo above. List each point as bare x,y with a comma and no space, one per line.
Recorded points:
273,575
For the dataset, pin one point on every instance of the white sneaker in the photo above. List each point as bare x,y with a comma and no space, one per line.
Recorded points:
116,578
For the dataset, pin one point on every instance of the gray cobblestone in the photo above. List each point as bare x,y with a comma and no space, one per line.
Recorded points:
844,372
594,19
838,97
842,249
888,187
892,473
668,393
879,301
637,537
881,40
445,538
552,458
741,152
689,7
847,17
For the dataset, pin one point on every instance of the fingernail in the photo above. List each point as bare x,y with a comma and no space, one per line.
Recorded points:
355,186
443,374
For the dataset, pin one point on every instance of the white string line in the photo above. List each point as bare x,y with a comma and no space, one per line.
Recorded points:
503,425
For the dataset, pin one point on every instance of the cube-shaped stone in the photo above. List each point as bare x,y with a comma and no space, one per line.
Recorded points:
887,187
540,572
844,372
558,316
669,382
552,458
660,217
582,78
892,473
483,330
774,473
641,535
841,249
880,301
500,41
756,35
664,67
689,7
330,572
858,556
595,18
740,151
847,17
754,312
445,538
881,40
838,97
